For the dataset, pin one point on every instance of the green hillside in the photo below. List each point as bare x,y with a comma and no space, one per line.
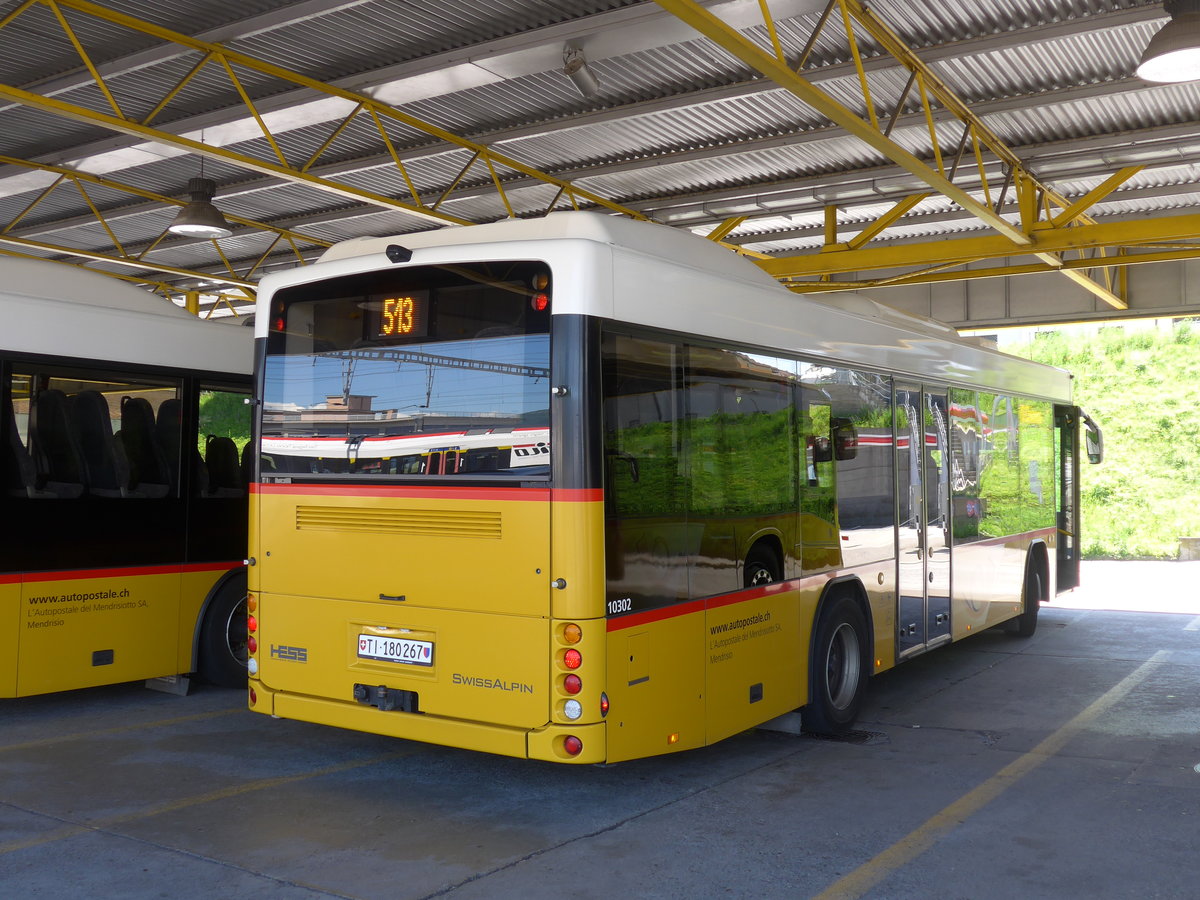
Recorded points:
1143,388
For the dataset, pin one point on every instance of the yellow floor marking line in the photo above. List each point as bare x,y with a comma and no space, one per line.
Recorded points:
938,826
122,729
233,790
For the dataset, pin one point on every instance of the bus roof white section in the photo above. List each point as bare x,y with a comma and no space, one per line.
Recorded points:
60,310
649,274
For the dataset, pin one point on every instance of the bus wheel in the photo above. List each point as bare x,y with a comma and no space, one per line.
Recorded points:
223,652
1027,621
838,671
761,567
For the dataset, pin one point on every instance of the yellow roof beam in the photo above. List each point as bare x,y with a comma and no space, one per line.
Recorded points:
781,73
937,275
970,249
217,58
1094,196
1034,195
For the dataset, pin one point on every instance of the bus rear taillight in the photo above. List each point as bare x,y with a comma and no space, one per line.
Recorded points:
251,624
572,659
252,644
253,696
572,745
572,684
572,633
572,709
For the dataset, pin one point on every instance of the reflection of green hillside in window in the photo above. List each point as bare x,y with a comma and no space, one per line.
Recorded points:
645,471
1019,493
740,465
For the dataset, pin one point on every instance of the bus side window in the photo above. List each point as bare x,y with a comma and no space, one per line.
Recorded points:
73,433
224,432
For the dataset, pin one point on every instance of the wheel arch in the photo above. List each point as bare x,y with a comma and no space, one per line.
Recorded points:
1037,562
851,587
234,579
771,540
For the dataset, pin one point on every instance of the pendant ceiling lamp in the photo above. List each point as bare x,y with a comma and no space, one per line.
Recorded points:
1173,54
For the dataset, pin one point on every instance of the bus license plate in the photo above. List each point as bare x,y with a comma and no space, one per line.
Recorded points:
398,650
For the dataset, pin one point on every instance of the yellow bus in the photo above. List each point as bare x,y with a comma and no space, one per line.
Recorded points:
585,489
123,512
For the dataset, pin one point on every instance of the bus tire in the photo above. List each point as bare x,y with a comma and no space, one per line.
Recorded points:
838,672
1027,621
761,567
223,652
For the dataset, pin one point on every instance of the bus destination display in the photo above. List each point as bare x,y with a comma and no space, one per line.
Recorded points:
399,315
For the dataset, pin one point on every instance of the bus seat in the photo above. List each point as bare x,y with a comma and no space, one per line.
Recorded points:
147,462
53,446
167,428
224,468
101,450
20,474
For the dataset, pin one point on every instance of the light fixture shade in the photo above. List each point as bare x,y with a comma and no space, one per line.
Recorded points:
1173,54
200,218
576,68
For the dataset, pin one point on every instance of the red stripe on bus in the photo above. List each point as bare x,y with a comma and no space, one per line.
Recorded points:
633,620
81,574
565,495
722,600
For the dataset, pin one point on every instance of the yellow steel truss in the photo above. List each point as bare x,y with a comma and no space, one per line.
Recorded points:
274,162
68,179
1036,201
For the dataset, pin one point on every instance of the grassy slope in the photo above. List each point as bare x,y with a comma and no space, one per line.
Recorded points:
1143,388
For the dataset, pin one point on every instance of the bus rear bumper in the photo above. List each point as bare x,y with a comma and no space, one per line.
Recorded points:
546,743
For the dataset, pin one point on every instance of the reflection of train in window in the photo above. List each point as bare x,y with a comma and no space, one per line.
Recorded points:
624,494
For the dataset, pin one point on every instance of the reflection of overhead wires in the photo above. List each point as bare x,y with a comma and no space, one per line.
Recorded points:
448,362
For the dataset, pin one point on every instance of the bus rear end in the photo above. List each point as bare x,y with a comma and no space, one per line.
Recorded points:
401,580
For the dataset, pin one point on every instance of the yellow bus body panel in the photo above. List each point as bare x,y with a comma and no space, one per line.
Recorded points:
10,623
485,668
755,653
85,632
431,548
475,577
656,687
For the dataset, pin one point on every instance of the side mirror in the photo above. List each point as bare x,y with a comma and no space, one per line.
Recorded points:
845,439
1093,440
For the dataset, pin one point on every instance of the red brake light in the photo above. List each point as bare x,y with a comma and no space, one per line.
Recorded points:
572,659
539,303
251,624
572,684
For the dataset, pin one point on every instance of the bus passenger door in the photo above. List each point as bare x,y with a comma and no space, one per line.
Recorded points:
1066,421
923,532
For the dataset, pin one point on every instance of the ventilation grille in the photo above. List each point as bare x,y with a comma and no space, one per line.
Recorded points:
438,522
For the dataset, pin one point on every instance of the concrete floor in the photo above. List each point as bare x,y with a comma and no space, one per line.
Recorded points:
1063,766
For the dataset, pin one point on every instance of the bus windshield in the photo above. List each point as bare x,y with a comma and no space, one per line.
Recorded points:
420,371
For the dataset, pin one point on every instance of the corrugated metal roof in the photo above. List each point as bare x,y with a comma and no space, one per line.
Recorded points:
679,129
